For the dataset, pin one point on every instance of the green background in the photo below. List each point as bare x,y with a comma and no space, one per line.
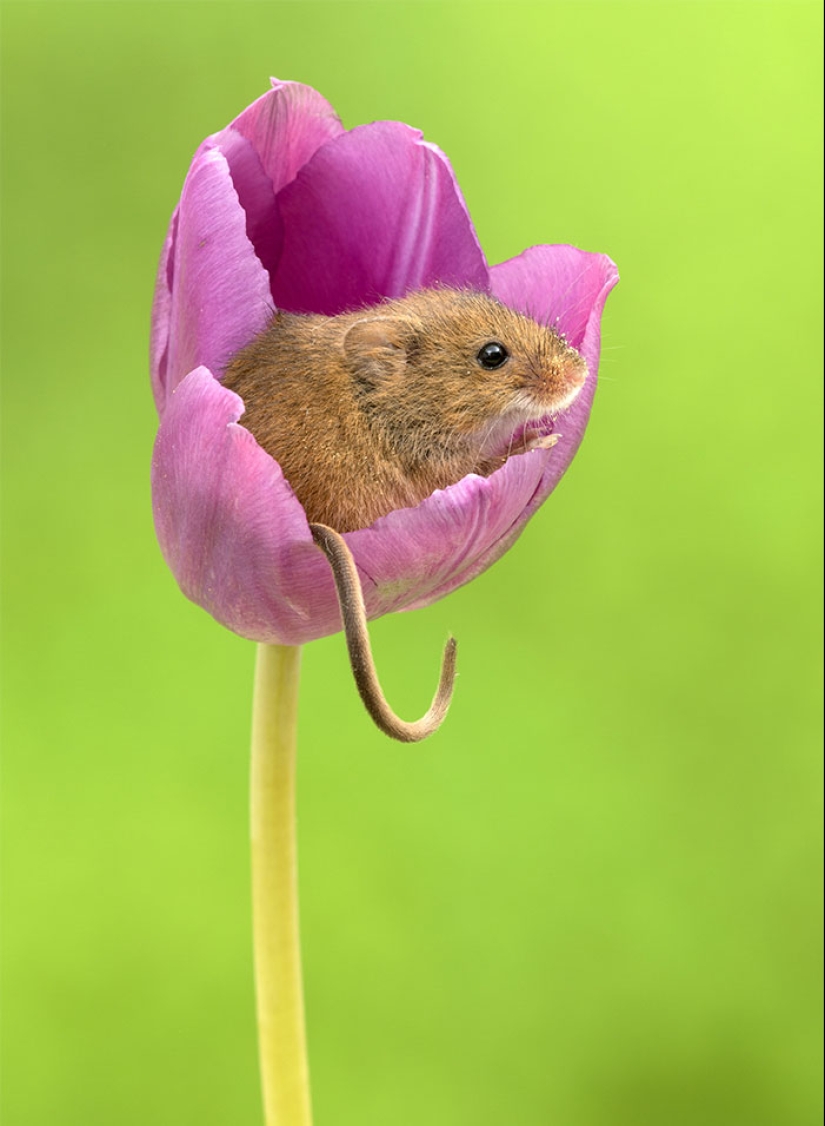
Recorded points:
591,899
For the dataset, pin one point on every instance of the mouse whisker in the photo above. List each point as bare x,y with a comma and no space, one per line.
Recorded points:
354,616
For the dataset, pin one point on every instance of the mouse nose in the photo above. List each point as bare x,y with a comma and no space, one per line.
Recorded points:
575,371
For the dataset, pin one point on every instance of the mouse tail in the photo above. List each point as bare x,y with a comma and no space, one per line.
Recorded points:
354,616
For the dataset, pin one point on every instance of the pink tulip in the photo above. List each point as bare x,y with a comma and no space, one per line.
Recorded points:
286,209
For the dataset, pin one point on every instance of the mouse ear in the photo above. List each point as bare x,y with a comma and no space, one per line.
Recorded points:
377,348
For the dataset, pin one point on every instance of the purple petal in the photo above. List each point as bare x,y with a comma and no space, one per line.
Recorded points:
161,311
567,288
214,293
265,148
229,525
560,286
255,195
238,542
211,298
375,213
459,532
286,126
237,539
415,556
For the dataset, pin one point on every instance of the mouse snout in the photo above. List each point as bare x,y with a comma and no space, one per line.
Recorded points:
558,380
568,371
575,370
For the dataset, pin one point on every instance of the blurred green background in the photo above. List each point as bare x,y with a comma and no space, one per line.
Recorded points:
591,899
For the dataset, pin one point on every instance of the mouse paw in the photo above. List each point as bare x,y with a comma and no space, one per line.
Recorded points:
532,440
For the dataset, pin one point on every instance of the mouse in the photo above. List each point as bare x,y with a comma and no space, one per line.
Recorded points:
374,409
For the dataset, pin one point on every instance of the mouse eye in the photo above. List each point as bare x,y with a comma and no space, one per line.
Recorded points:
492,355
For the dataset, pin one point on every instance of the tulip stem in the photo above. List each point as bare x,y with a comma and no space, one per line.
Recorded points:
279,989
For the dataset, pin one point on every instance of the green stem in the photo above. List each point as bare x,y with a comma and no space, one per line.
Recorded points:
279,990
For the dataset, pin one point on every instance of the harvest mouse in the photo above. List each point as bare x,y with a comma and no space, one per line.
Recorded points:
373,410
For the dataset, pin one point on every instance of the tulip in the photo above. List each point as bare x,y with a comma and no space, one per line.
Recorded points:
285,209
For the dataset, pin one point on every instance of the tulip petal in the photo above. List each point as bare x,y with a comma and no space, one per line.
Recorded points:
218,291
560,286
255,195
265,146
375,213
415,556
459,532
567,288
161,311
237,538
229,525
286,126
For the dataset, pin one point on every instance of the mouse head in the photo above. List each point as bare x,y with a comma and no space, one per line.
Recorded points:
461,362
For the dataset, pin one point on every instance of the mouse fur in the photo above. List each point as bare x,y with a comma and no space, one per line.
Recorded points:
373,410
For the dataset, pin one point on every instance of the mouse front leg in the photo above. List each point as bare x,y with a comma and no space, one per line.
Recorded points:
533,439
530,439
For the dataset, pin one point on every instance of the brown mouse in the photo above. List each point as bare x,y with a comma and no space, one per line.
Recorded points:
373,410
